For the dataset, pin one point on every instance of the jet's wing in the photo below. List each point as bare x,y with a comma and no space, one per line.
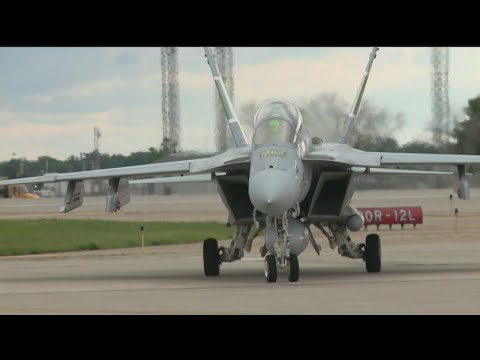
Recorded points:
167,168
427,159
335,154
118,190
460,161
235,158
230,159
383,171
241,159
176,179
342,155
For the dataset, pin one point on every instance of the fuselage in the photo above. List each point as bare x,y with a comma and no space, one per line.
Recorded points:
278,178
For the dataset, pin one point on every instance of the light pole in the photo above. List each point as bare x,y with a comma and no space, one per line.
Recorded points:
83,157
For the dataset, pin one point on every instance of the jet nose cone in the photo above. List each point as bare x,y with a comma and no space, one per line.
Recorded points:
272,191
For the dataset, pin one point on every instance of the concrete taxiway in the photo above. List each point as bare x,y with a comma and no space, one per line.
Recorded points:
434,269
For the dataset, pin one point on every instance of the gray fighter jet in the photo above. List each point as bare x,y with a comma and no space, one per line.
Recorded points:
283,182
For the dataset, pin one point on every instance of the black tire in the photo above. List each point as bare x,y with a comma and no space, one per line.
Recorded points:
373,255
211,258
293,268
270,268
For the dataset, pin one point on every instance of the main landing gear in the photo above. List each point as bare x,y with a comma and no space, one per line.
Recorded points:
214,255
211,258
373,256
370,252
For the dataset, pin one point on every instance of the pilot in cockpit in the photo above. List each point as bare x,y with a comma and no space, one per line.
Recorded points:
271,131
275,124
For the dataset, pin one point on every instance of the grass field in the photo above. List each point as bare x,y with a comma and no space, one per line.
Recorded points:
21,237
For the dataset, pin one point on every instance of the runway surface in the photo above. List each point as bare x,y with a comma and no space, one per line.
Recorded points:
434,269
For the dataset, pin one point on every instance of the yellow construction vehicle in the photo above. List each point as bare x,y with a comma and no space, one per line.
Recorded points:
16,191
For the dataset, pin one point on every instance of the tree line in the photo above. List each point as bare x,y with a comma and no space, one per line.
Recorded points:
24,168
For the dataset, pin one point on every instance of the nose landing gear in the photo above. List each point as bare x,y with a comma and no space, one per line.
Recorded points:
271,272
293,268
270,268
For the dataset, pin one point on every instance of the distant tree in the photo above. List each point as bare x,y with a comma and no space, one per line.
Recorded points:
324,115
373,121
155,154
369,142
467,132
11,168
419,147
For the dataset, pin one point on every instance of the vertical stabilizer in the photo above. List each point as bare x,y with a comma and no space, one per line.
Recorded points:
358,100
232,119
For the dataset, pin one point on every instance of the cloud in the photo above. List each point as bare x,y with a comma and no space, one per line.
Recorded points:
187,80
126,58
61,119
290,76
195,82
40,98
96,88
82,90
148,80
151,80
7,117
339,71
463,64
124,130
31,139
34,140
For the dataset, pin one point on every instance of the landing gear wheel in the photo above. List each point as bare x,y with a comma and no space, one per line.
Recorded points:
270,268
373,258
211,258
293,268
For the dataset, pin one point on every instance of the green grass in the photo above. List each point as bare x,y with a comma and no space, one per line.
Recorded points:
21,237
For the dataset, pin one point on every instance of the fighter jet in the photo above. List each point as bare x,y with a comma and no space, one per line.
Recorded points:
283,181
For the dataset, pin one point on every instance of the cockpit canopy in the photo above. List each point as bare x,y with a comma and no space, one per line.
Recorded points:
276,122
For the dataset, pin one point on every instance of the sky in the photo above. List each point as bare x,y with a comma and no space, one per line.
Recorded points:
51,98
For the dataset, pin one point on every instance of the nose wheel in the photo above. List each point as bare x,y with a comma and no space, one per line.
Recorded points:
293,268
270,268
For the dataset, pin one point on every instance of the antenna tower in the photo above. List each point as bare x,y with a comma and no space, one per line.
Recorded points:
440,124
170,99
224,58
